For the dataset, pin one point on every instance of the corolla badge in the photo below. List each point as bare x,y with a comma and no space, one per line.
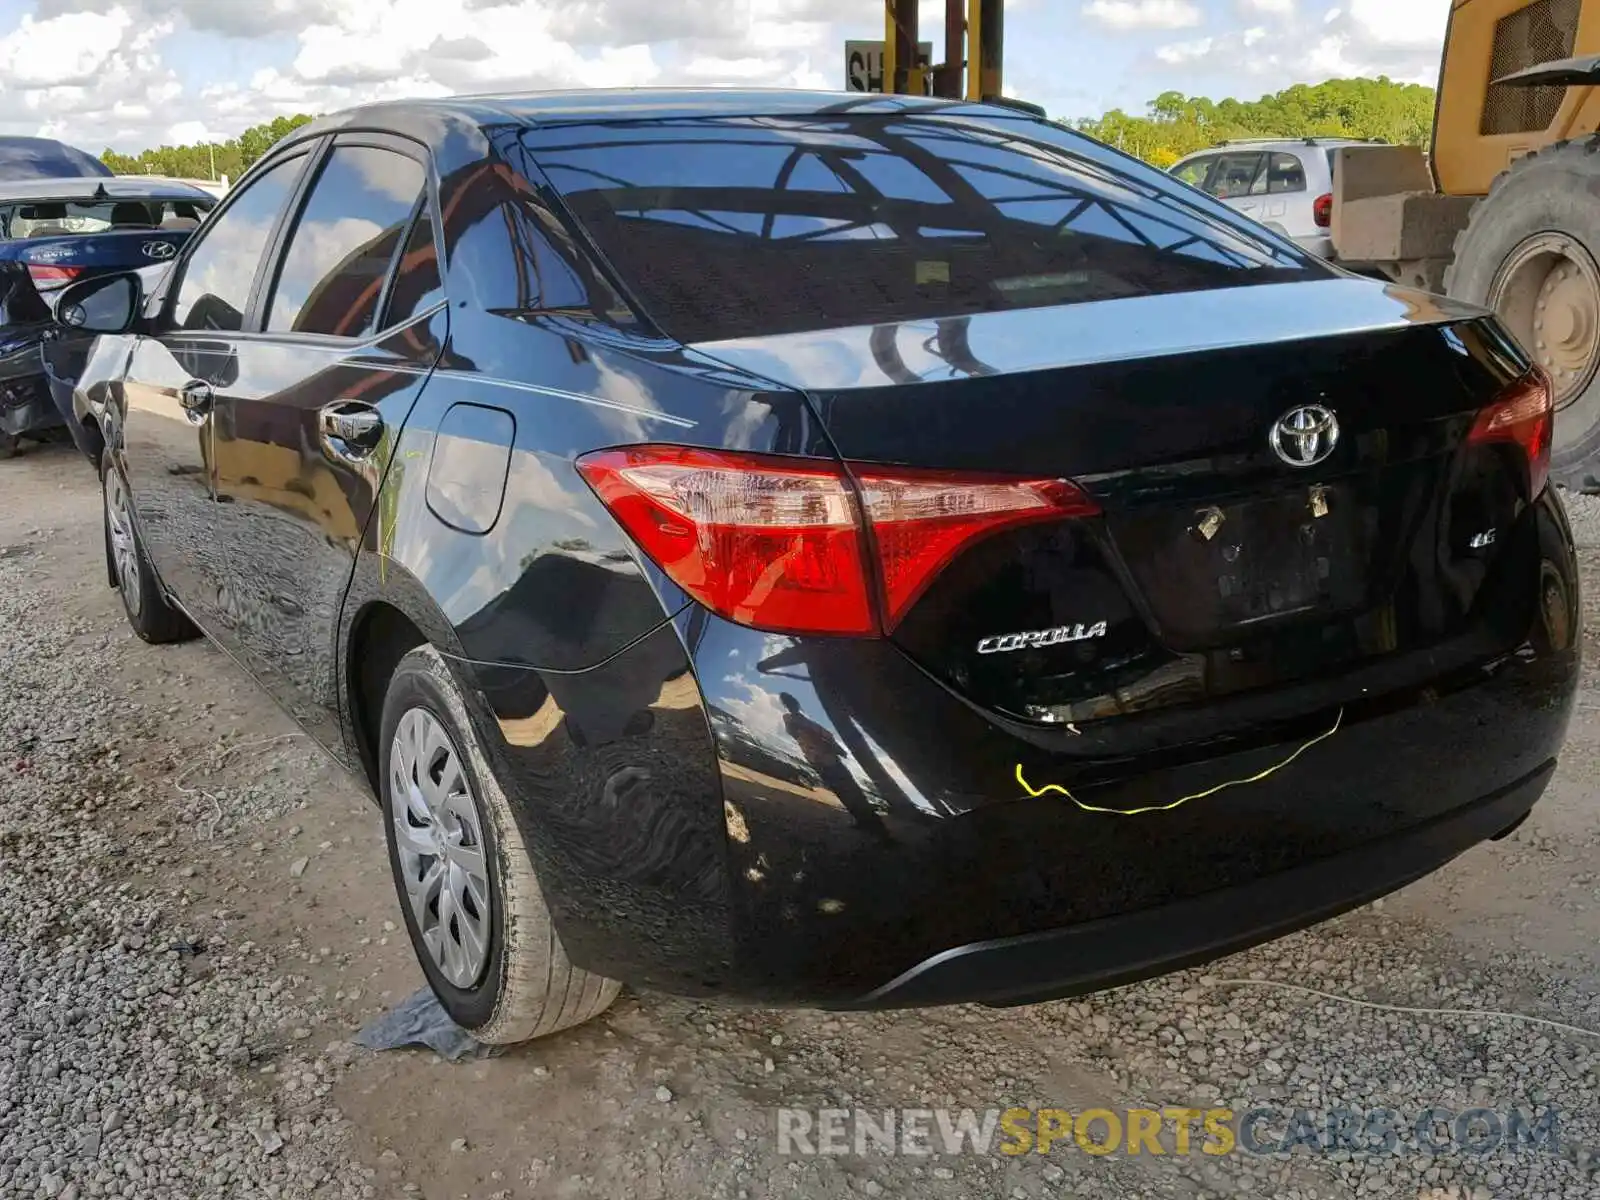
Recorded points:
1305,436
158,250
1006,643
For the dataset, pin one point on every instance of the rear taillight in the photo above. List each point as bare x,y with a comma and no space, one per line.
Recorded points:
772,543
1322,211
52,277
1523,415
921,520
795,545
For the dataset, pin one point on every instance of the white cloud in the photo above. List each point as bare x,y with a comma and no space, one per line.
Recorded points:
1277,8
1144,14
1183,52
1398,38
64,51
187,132
64,72
234,18
95,74
1411,23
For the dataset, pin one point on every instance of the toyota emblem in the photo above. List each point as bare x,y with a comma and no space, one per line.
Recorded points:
1305,436
158,249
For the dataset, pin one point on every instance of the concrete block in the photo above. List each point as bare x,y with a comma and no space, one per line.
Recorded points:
1407,225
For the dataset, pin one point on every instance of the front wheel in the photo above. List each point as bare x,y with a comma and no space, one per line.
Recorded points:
466,884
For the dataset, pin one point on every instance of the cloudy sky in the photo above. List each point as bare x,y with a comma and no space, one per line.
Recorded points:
133,73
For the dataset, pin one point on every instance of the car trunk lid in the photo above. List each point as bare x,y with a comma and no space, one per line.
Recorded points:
1220,564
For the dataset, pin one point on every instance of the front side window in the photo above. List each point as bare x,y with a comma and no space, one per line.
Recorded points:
1194,172
733,227
339,253
215,290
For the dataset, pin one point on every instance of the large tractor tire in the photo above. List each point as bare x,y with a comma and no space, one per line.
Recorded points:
1530,252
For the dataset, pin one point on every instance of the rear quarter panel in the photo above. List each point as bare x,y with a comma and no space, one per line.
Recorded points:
579,686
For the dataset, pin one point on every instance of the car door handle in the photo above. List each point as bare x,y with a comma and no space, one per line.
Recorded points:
196,398
351,430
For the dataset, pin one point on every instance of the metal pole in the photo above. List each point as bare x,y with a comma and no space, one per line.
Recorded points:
890,44
899,45
990,56
948,81
974,42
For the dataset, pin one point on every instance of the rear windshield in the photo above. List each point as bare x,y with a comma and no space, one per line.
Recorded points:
44,218
736,227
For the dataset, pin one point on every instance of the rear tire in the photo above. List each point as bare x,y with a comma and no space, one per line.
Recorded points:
472,904
1531,251
150,614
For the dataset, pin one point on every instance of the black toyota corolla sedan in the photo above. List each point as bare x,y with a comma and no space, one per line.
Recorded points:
835,550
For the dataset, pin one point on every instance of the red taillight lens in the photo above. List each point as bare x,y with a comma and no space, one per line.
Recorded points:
52,277
922,519
781,543
1525,416
768,542
1322,211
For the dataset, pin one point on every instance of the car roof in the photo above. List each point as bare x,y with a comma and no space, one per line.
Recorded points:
430,118
1278,143
24,157
657,103
94,187
458,129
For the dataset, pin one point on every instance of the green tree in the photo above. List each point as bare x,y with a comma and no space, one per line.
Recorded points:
206,159
1175,125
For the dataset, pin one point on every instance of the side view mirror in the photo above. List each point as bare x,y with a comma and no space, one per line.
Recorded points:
107,304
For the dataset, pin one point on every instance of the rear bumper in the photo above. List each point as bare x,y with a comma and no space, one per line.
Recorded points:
1320,244
722,812
1123,950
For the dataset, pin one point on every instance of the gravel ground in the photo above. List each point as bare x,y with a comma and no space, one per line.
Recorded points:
130,1011
195,916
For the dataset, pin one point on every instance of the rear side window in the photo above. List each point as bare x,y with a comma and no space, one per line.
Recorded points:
347,236
217,275
511,256
735,227
417,286
1285,174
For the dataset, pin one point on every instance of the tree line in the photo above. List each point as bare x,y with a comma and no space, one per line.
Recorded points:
1173,125
206,160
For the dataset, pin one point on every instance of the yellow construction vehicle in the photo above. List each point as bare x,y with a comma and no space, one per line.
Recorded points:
1506,210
